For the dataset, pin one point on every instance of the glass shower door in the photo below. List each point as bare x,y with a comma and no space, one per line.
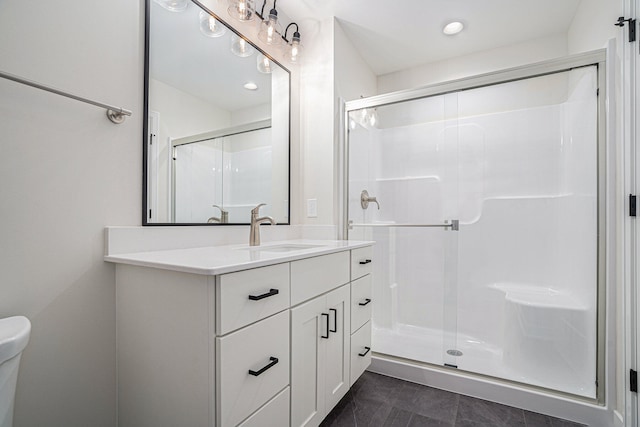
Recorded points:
405,156
486,227
528,240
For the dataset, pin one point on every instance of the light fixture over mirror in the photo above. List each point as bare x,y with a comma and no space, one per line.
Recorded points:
242,10
270,29
294,51
218,129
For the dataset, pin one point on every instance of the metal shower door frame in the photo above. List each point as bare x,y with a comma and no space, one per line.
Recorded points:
594,58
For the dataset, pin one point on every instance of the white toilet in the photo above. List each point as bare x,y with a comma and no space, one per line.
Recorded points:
14,336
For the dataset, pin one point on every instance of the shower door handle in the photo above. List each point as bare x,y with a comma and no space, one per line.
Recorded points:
365,199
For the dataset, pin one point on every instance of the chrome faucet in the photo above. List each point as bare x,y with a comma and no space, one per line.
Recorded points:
224,216
254,234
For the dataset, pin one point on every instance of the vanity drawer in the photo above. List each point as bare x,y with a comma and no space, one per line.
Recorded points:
361,301
273,414
314,276
360,356
248,296
361,262
263,349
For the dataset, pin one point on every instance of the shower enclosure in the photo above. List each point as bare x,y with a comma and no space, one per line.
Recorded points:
488,223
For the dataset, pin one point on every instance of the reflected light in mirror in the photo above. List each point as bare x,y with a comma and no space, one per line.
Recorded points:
250,86
240,47
210,27
264,64
173,5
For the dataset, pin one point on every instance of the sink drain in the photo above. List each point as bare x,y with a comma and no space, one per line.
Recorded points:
454,353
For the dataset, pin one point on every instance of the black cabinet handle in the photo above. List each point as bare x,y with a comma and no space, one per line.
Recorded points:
326,336
366,301
271,293
366,350
274,361
335,320
366,261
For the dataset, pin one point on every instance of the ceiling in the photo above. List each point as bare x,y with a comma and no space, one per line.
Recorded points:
395,35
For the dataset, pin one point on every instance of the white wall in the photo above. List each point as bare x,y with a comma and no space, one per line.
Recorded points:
542,49
65,173
593,26
316,123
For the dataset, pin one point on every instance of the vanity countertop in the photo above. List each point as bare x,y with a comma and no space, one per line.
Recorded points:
213,260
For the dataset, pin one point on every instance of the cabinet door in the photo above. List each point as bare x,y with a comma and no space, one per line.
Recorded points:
337,347
308,326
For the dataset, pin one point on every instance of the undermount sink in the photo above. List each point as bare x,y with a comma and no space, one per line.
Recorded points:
281,248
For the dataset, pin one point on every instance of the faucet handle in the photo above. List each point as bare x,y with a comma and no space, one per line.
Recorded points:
256,210
221,209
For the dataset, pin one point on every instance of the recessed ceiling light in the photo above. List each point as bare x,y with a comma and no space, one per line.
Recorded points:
250,86
453,28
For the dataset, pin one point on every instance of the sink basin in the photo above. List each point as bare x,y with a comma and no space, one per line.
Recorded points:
281,248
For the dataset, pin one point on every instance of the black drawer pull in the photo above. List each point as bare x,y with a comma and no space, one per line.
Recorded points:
335,320
366,301
363,354
366,261
274,361
326,336
271,293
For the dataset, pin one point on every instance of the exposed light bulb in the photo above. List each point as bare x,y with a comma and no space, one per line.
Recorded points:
241,10
295,49
270,29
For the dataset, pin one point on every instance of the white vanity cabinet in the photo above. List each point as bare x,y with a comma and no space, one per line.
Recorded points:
361,309
260,345
320,341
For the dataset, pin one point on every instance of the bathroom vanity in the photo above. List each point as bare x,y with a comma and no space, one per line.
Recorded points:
273,335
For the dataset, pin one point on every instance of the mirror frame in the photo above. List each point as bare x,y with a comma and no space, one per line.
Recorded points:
145,122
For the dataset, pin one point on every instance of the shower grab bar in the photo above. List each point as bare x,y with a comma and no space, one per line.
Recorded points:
115,114
454,225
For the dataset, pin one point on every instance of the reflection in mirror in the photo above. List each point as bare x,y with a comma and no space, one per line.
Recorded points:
218,123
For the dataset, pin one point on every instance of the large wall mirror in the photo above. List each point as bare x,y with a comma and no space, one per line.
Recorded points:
217,132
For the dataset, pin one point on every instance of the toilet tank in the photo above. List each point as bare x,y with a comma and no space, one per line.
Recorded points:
14,336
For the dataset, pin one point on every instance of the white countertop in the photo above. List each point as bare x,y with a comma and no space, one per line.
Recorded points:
212,260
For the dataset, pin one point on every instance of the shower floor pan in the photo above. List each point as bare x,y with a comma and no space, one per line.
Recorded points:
426,345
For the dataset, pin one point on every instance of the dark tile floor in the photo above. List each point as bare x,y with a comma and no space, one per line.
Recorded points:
377,400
